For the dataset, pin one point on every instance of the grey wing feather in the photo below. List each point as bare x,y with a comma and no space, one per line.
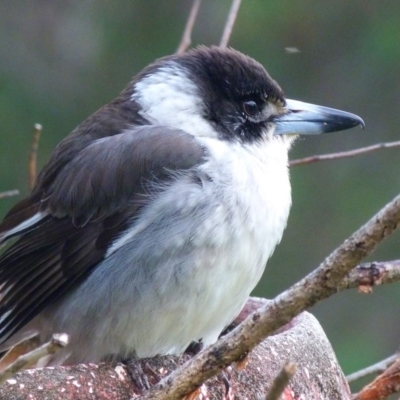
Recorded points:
85,207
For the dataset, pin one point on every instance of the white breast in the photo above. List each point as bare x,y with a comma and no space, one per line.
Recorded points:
252,182
252,198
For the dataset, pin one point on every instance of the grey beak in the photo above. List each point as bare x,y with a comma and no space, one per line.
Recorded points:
309,119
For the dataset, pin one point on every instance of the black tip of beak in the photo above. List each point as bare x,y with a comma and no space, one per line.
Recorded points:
336,120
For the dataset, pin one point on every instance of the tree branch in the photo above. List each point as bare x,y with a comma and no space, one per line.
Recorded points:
9,193
318,285
230,22
382,386
366,275
57,342
32,171
281,381
186,40
343,154
376,368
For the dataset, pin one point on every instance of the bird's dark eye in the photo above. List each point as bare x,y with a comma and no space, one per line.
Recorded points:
250,107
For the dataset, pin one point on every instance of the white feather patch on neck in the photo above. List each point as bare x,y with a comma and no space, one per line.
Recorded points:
170,98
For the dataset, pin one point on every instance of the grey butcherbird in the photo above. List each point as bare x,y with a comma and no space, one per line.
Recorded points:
154,219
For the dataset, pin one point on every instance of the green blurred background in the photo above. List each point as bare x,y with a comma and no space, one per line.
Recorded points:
61,60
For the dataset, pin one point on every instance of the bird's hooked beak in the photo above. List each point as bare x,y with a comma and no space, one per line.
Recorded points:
309,119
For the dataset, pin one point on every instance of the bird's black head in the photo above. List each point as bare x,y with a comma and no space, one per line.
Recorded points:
240,98
221,88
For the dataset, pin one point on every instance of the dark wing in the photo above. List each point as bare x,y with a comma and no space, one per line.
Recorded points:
67,224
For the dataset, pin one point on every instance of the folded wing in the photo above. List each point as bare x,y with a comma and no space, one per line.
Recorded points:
77,210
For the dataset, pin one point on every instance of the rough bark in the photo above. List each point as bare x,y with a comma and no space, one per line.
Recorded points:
302,341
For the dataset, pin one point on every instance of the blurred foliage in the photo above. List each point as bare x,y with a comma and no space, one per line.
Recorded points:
61,60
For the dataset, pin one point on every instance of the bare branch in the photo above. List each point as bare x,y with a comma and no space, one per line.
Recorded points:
57,342
18,350
186,40
230,22
9,193
37,130
383,385
318,285
371,274
343,154
281,381
376,368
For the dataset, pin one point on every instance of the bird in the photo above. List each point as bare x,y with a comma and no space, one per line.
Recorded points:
153,220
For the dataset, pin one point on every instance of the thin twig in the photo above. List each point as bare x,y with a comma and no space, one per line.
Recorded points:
318,285
21,348
233,12
9,193
37,130
57,342
186,40
281,381
376,368
382,386
344,154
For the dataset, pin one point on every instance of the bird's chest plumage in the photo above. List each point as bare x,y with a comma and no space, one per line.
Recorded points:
249,194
